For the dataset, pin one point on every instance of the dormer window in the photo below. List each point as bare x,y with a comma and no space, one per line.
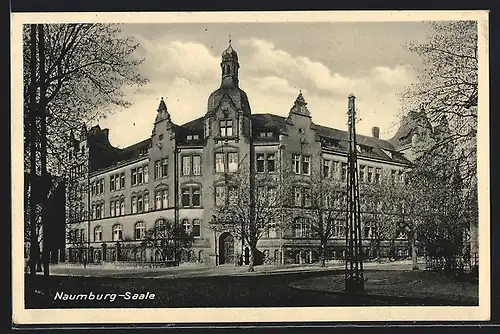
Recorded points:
226,128
189,137
192,137
266,134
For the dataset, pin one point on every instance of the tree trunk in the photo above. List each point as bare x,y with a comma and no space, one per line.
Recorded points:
323,254
253,251
414,252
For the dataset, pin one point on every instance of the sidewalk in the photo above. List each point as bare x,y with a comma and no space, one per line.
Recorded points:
203,270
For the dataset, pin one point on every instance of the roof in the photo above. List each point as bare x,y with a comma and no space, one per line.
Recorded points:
333,139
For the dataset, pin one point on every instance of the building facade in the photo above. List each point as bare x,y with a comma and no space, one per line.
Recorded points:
115,195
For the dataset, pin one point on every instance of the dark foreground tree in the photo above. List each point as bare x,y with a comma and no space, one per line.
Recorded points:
73,73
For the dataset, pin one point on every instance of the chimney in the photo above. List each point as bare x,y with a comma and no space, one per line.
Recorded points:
375,132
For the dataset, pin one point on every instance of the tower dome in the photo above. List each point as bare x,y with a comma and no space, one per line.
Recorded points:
230,53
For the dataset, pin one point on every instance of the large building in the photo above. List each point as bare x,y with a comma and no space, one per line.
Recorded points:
171,176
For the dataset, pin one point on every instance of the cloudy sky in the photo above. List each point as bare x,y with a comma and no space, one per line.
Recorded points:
327,61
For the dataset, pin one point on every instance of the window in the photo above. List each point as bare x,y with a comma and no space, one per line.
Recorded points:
326,168
134,204
116,205
378,172
296,163
191,165
338,228
232,162
306,165
226,162
302,196
301,164
220,195
196,197
307,197
161,199
271,196
117,232
344,171
196,165
146,173
164,198
367,230
159,228
112,208
158,200
146,201
297,191
140,179
186,165
157,169
97,234
139,230
189,137
112,183
196,228
271,165
122,206
226,127
266,134
161,168
369,175
134,177
186,225
233,195
190,196
271,230
122,180
186,197
140,204
260,163
219,162
362,169
301,228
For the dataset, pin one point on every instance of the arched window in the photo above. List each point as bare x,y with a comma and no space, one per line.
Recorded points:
97,233
117,232
139,230
159,229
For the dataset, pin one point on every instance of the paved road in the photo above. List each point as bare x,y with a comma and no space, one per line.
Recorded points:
223,291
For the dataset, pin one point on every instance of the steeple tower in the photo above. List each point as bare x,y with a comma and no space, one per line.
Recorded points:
230,67
300,106
162,112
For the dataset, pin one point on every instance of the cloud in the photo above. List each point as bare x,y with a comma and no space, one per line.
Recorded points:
186,72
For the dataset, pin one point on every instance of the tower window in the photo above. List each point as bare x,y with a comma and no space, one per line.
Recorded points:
226,128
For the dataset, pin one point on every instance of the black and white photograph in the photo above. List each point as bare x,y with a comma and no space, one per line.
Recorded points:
250,167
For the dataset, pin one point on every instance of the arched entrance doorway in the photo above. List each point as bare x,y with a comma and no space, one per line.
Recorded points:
226,248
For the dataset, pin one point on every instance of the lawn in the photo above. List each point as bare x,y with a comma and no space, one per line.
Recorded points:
412,284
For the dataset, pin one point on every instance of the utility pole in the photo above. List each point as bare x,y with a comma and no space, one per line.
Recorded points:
354,279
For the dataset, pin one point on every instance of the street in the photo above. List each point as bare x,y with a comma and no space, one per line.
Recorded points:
215,291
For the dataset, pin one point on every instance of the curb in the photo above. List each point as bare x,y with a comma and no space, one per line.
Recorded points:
200,275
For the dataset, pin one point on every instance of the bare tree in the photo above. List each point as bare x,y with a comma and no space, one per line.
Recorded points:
248,206
447,90
73,73
324,203
168,240
86,68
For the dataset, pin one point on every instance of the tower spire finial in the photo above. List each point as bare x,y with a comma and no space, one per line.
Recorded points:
229,38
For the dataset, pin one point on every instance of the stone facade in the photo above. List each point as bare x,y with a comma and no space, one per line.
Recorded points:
172,176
